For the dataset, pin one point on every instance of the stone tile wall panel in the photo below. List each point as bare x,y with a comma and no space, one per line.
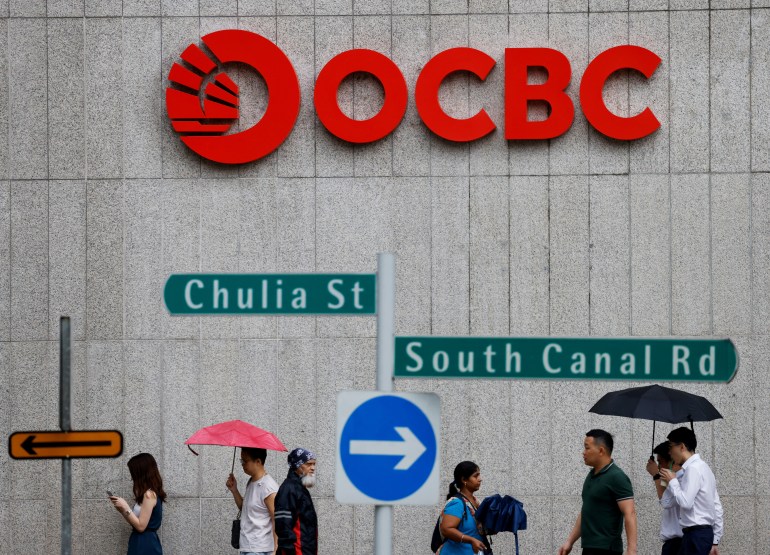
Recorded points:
489,261
29,260
760,254
650,254
760,89
5,261
4,98
67,256
609,248
104,259
143,116
66,100
27,98
689,92
730,90
529,256
104,122
690,256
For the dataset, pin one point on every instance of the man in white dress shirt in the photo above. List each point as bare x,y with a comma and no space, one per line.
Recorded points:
694,490
670,531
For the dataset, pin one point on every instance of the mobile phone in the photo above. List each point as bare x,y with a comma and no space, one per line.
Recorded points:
110,494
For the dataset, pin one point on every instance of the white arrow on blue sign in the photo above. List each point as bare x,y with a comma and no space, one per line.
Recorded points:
388,448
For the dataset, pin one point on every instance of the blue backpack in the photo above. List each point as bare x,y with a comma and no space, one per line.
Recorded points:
502,514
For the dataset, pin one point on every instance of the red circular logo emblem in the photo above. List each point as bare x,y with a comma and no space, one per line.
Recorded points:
203,117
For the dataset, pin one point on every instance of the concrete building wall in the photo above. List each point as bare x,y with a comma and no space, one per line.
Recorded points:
577,236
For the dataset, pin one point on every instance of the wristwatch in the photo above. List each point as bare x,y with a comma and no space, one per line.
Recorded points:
656,477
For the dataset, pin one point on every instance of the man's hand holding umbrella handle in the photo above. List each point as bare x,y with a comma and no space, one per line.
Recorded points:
652,467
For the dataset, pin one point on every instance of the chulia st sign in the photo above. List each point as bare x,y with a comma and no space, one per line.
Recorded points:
712,360
253,294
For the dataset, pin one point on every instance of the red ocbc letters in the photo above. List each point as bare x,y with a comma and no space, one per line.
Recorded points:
201,129
518,93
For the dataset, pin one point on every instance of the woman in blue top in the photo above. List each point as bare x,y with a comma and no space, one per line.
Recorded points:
147,514
458,521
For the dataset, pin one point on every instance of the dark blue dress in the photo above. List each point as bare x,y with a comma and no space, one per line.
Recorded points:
148,542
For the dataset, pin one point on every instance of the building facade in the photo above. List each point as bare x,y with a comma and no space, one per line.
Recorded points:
579,235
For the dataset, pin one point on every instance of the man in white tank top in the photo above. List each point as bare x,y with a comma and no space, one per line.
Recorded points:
256,505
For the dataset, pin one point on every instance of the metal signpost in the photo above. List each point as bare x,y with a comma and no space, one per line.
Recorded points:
563,358
386,316
65,444
65,423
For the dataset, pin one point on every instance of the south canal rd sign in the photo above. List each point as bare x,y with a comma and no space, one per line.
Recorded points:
387,448
66,445
670,359
253,294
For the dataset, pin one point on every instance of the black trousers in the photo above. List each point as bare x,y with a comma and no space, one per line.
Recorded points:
671,547
594,551
697,542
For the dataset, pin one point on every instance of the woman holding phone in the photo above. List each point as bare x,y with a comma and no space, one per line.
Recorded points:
147,514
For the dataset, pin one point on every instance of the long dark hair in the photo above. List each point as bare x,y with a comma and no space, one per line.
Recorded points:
145,474
463,471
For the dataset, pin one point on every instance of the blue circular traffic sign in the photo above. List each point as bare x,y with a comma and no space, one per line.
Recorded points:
388,448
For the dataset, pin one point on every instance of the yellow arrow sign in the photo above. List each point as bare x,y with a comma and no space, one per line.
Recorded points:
66,445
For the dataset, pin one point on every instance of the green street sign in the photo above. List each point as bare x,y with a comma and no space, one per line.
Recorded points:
564,358
254,294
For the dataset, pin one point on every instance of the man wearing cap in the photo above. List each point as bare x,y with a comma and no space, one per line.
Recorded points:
694,490
296,524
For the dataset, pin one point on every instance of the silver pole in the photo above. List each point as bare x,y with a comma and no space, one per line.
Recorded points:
65,424
386,309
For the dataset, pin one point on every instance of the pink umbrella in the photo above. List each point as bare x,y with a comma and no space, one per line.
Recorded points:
235,433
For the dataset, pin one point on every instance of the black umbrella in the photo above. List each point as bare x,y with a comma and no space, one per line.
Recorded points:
657,403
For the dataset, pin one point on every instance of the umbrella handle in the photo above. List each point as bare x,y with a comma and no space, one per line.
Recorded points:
233,468
652,452
193,452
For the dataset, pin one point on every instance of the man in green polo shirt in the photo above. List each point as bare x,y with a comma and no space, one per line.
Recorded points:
608,503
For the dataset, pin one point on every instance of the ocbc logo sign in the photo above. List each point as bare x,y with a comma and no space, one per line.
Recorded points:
202,124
